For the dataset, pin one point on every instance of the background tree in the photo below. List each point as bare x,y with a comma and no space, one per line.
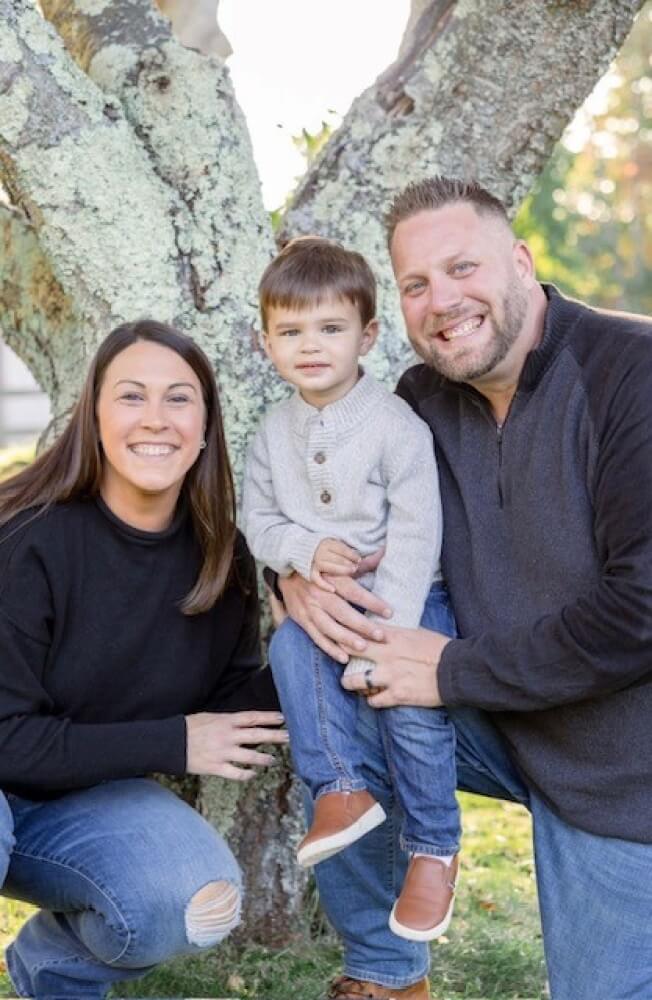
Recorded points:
589,216
129,188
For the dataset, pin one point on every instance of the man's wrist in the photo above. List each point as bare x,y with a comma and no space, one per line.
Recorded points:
433,649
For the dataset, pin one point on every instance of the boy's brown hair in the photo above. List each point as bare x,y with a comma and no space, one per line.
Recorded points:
311,268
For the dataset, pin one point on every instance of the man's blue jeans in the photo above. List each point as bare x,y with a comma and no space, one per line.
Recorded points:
113,869
595,893
419,743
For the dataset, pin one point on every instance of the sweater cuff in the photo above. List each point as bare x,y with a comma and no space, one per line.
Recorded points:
303,553
450,663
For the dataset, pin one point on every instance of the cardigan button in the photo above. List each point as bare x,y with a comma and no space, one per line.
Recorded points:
325,496
319,457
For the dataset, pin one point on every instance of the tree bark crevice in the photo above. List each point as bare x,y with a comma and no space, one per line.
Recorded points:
418,38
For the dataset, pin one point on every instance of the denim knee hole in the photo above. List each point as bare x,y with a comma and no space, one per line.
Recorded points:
212,913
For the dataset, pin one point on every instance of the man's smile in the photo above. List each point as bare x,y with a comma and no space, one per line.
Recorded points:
462,328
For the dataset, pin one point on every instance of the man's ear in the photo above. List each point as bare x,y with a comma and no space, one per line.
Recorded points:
369,336
524,262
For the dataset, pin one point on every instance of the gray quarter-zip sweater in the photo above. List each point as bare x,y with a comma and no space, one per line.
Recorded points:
547,553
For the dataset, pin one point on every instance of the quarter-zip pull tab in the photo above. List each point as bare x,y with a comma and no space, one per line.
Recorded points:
499,438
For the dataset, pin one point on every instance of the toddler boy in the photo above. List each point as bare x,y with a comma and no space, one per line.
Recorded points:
338,471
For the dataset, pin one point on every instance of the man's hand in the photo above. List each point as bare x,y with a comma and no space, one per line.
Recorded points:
406,668
335,558
328,618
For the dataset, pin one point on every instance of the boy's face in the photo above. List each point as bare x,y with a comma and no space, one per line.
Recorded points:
317,348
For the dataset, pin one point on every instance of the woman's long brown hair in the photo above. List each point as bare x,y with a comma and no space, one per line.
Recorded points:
72,467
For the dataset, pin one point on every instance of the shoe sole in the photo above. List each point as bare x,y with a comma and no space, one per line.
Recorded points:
414,934
319,850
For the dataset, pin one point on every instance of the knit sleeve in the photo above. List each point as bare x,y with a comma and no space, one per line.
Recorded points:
40,749
414,521
414,528
273,538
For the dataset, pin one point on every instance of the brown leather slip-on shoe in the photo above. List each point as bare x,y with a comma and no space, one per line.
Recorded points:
423,910
344,988
340,819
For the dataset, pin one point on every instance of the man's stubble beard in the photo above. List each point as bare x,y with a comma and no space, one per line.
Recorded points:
505,335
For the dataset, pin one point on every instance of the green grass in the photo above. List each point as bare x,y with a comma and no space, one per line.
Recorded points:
492,951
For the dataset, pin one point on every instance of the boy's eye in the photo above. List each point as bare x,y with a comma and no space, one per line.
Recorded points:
288,333
331,328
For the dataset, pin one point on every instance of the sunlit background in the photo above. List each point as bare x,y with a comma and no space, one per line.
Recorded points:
293,71
589,219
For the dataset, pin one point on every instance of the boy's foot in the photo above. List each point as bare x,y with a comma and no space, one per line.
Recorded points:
344,988
340,819
423,910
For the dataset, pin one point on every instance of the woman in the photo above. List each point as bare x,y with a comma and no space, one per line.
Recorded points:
128,644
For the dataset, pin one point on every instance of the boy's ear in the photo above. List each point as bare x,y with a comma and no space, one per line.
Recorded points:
369,335
264,340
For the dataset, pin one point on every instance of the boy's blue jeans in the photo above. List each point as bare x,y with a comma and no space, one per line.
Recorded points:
595,893
113,869
419,743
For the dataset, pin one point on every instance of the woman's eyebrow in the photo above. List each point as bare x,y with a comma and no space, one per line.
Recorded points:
141,385
178,385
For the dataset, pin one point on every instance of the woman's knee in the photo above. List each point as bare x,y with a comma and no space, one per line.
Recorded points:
212,913
162,930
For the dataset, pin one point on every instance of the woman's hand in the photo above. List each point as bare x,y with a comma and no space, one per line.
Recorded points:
405,671
216,742
329,619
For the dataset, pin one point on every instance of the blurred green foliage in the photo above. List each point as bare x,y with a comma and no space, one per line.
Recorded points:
309,144
588,219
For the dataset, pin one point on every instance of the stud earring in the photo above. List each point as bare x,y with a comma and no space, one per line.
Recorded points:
202,444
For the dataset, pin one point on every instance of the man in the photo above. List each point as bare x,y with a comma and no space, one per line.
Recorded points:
541,410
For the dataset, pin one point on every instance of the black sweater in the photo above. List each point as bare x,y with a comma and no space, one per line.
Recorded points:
548,555
98,666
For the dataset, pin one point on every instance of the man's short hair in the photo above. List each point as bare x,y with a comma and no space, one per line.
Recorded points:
312,268
434,192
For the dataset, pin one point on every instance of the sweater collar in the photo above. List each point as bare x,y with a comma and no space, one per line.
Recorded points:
137,535
341,414
560,318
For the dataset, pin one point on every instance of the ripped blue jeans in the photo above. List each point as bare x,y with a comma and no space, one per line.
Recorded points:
113,870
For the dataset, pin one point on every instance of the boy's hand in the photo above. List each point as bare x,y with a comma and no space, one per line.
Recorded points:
334,557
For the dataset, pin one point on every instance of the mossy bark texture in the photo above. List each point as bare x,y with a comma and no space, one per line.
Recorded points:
127,188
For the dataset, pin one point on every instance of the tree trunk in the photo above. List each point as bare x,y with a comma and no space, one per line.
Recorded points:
131,190
481,88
